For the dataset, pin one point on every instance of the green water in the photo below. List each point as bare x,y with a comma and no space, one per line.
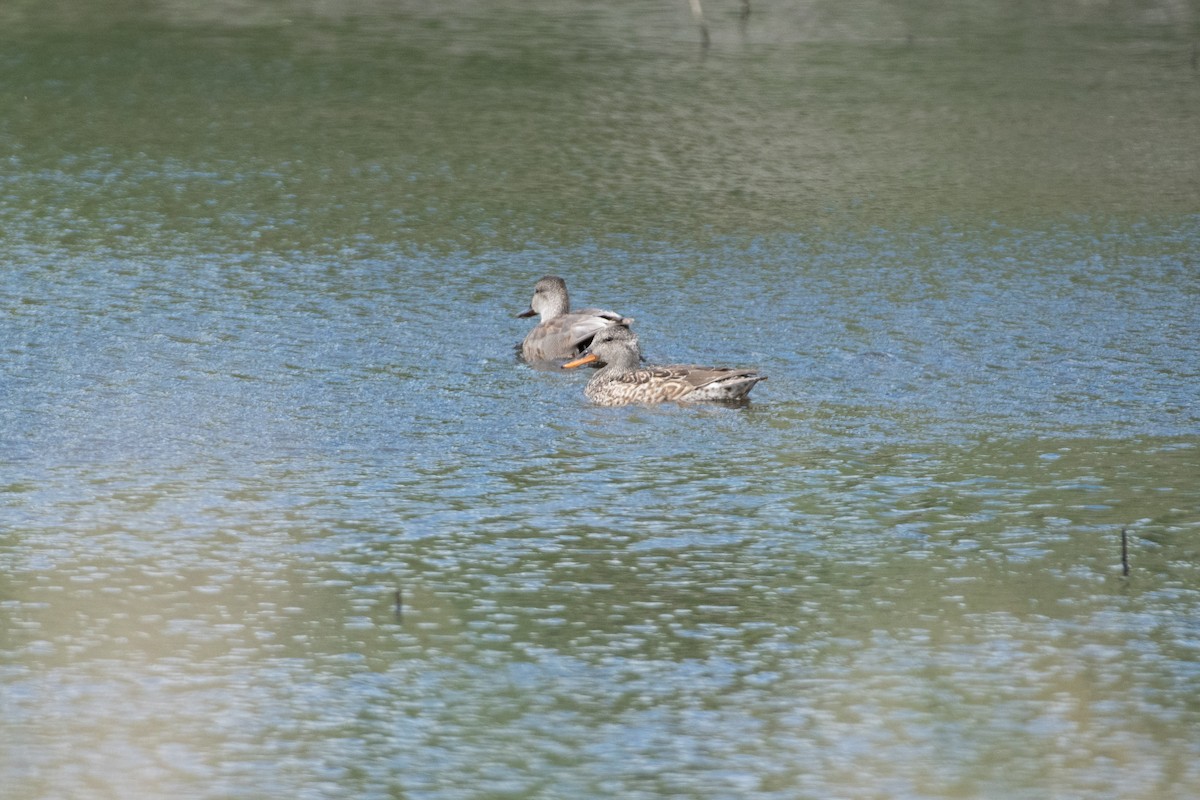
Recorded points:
259,271
486,127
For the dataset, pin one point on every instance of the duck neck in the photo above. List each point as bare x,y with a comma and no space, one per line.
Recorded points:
555,306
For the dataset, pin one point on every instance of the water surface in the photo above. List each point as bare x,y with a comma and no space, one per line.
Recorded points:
259,275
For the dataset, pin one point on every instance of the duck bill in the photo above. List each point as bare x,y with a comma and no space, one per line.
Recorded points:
579,362
528,313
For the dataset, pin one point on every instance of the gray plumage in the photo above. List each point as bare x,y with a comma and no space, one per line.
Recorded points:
561,333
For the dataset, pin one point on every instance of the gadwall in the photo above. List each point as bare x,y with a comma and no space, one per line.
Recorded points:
561,332
622,381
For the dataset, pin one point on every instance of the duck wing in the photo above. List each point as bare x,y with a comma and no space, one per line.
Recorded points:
683,382
568,335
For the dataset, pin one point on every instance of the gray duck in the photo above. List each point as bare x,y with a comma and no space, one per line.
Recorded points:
561,332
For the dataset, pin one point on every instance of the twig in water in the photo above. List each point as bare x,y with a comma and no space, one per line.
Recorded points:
698,14
1124,552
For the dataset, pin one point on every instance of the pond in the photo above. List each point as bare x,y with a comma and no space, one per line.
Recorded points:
283,514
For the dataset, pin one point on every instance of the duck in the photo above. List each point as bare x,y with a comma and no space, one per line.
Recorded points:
562,333
623,381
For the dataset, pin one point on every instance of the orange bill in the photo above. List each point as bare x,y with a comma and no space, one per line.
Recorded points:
579,362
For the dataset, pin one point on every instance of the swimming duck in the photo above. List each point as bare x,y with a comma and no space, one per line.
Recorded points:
561,333
622,381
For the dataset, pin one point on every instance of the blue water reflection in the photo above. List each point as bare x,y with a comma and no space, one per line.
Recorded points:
899,555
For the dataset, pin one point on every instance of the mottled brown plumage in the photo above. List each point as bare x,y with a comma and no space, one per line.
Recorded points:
562,333
621,381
